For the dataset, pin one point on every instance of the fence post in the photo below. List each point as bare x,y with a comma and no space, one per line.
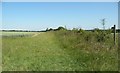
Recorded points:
114,34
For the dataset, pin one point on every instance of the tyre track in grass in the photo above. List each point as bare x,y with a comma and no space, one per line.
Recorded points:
39,53
53,57
36,34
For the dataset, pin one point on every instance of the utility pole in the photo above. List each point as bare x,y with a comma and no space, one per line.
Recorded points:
103,23
114,34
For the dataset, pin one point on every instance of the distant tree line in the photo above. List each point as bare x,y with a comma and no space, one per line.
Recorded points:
76,29
63,28
59,28
21,31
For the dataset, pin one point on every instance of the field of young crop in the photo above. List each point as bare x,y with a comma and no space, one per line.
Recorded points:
59,51
13,34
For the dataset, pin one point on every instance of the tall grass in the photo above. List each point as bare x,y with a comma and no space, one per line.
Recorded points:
90,50
61,50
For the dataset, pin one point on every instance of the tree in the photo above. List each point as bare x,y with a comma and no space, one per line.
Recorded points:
47,29
61,28
50,29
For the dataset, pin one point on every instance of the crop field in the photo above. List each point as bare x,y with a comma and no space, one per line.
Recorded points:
13,34
58,51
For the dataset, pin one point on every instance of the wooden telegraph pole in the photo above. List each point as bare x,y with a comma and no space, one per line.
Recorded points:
114,34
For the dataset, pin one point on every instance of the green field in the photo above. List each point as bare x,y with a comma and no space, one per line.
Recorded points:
10,34
57,51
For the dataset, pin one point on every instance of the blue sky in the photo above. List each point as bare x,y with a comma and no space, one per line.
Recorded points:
42,15
0,15
60,0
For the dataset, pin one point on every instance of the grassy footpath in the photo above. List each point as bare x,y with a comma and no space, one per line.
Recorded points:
57,51
42,52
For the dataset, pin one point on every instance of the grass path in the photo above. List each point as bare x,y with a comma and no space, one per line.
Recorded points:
41,52
36,34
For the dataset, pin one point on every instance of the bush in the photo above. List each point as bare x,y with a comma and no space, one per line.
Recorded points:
81,31
87,36
109,31
100,37
75,30
49,29
60,28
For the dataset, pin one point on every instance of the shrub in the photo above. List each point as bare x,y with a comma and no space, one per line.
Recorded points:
60,28
87,35
109,31
81,31
100,37
74,30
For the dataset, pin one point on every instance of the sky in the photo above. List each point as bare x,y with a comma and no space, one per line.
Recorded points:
0,15
60,0
42,15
